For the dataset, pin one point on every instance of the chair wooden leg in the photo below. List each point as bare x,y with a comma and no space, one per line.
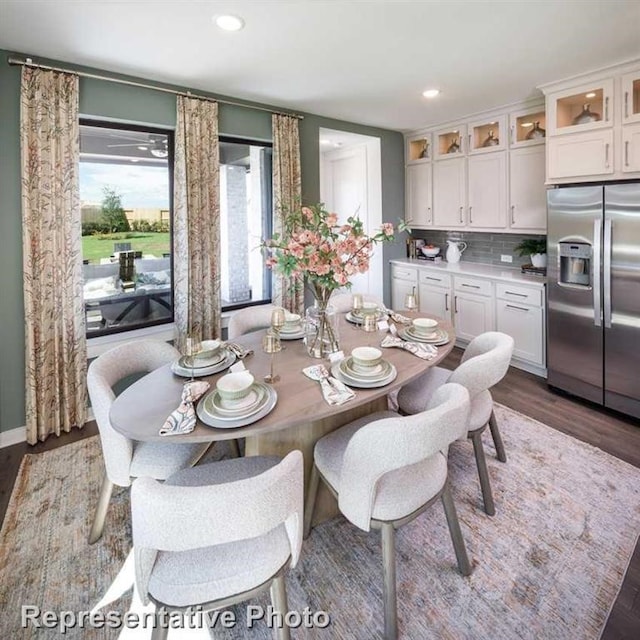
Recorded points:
234,445
389,582
101,510
159,632
280,606
483,473
312,493
454,529
497,438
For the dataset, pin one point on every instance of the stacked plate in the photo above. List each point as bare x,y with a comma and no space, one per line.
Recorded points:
294,333
364,378
227,414
203,366
437,338
357,317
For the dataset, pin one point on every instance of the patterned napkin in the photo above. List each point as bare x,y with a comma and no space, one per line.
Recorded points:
424,351
333,390
397,317
183,419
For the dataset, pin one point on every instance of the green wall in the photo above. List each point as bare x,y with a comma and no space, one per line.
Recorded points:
133,104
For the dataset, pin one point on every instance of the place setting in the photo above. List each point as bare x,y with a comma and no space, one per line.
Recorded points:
365,368
362,310
292,328
203,358
424,330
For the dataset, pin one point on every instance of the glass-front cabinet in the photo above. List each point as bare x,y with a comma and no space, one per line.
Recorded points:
528,128
581,108
450,143
418,148
487,135
631,97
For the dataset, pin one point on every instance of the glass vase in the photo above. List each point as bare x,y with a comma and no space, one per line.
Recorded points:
321,330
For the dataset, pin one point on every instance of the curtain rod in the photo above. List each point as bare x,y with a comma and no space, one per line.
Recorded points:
29,63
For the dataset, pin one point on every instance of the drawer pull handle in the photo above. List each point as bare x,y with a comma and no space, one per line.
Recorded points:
430,278
471,286
520,295
511,306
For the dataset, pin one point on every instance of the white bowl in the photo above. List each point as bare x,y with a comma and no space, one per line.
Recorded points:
366,357
369,309
209,348
234,386
424,326
430,251
291,321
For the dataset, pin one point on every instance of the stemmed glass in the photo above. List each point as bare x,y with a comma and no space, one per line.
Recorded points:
193,347
410,301
277,319
271,344
356,305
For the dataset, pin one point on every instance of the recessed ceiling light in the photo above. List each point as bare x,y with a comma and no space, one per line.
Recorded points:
431,93
229,23
590,95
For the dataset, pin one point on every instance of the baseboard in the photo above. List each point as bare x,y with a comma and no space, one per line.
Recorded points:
13,436
19,434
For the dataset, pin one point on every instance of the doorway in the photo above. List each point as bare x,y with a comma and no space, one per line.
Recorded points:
351,185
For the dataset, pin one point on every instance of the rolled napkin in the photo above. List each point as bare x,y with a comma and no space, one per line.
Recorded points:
333,391
397,317
183,419
424,351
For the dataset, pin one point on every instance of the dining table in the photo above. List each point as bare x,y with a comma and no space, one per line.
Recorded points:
300,417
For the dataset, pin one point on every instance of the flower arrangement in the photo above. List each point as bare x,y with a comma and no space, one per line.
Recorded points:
315,248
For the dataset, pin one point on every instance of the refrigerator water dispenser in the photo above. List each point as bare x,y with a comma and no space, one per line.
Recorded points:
575,263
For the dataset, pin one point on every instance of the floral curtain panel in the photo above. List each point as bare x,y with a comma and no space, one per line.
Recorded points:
55,343
196,236
286,198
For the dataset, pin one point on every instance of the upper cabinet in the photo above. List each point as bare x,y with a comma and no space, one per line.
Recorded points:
418,195
528,127
450,142
418,149
487,135
592,126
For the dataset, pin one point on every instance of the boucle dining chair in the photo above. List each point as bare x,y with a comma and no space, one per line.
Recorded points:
249,319
125,459
386,469
484,363
343,302
218,534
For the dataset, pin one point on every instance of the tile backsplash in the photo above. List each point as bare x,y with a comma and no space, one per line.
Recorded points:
481,247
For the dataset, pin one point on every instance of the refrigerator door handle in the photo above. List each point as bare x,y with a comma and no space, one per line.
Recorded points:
597,247
606,273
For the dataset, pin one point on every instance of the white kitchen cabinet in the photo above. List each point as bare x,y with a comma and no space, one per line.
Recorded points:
404,280
631,148
418,211
449,192
580,154
631,97
527,191
450,142
487,191
418,148
525,325
487,135
435,293
473,315
522,126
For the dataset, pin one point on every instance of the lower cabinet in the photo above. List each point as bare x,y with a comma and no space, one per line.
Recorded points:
473,315
524,325
404,280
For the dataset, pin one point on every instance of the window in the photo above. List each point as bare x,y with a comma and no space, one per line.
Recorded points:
245,219
126,203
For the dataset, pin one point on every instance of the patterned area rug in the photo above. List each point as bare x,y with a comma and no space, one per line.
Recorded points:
548,565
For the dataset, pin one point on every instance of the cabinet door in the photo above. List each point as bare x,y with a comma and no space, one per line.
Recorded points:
488,190
449,193
399,289
473,315
525,325
435,301
580,154
631,97
528,194
631,147
418,211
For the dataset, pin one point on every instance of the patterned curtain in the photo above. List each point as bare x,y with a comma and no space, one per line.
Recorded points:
196,231
286,196
55,343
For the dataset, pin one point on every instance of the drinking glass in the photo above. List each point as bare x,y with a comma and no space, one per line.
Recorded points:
271,345
193,347
410,301
277,319
356,305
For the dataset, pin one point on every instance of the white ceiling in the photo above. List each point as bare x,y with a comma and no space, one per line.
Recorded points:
363,61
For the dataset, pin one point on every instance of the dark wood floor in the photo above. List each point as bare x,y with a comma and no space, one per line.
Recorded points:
524,392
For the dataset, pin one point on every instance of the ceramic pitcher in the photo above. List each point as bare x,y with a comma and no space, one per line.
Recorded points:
454,250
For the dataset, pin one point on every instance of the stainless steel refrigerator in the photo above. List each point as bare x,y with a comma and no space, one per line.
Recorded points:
593,293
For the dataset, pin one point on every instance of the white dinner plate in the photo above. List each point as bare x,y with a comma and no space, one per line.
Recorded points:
202,363
198,372
247,406
358,319
441,337
337,372
292,335
214,420
379,372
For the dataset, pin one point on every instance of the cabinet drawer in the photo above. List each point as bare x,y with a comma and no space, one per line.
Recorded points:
434,279
473,285
524,295
404,273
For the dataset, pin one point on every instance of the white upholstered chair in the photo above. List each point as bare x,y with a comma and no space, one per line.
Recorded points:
343,302
484,363
218,534
125,459
386,469
249,319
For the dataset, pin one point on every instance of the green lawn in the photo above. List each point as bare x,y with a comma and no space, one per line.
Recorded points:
101,246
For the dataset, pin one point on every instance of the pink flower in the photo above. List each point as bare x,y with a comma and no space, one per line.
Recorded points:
332,219
307,213
340,278
387,229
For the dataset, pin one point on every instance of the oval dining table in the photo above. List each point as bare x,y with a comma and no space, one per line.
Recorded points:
300,417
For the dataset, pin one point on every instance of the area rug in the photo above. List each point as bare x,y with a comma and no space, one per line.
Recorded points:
548,565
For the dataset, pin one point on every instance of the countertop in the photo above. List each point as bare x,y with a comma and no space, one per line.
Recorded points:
494,272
